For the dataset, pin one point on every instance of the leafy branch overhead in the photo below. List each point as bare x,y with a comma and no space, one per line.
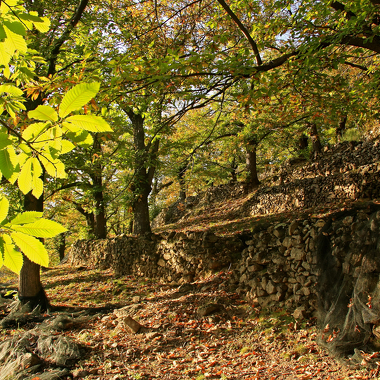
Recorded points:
27,153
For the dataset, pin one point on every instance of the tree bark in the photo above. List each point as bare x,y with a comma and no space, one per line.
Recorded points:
99,217
341,128
61,245
181,180
316,142
233,171
30,288
144,168
251,161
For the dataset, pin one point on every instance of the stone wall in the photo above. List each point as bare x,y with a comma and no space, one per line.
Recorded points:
284,264
345,172
278,265
179,257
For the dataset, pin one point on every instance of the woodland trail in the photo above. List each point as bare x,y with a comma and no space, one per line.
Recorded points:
200,330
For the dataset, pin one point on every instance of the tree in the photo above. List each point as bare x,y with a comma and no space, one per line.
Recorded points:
31,149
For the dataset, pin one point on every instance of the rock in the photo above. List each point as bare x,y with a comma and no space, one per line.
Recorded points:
270,288
208,309
161,263
320,223
299,313
131,324
80,373
292,227
297,254
152,335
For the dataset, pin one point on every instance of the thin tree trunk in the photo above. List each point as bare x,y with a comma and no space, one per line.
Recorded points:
317,145
100,220
61,245
251,161
233,171
144,168
181,180
341,128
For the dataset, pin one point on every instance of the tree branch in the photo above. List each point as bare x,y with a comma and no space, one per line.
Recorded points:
243,29
65,36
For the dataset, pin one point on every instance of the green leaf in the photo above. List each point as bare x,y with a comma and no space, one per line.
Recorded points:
4,140
82,138
14,42
5,55
67,146
55,168
25,178
13,259
27,217
43,113
31,74
43,25
32,248
15,27
37,183
34,130
43,228
10,89
37,169
4,208
2,33
90,123
38,186
77,97
8,161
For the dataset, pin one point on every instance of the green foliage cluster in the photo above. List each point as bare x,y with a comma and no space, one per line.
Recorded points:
25,155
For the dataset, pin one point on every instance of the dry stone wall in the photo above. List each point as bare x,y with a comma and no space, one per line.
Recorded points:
285,264
346,171
179,257
280,265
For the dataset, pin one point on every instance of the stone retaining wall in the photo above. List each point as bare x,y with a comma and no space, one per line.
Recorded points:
346,171
179,257
279,265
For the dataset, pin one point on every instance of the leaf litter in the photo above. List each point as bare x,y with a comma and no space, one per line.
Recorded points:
143,329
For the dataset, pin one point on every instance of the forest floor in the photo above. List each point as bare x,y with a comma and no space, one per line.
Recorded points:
202,330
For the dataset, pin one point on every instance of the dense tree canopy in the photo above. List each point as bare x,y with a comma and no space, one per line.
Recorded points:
196,91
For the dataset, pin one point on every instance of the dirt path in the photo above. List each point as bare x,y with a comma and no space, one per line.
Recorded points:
196,331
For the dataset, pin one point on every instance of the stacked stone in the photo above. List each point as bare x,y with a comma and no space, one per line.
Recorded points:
279,265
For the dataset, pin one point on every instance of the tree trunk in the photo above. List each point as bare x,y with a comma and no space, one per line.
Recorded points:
341,128
100,220
61,245
317,146
181,180
303,142
144,168
233,170
253,179
30,288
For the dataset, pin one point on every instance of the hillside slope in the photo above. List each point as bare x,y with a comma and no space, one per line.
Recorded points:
344,175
